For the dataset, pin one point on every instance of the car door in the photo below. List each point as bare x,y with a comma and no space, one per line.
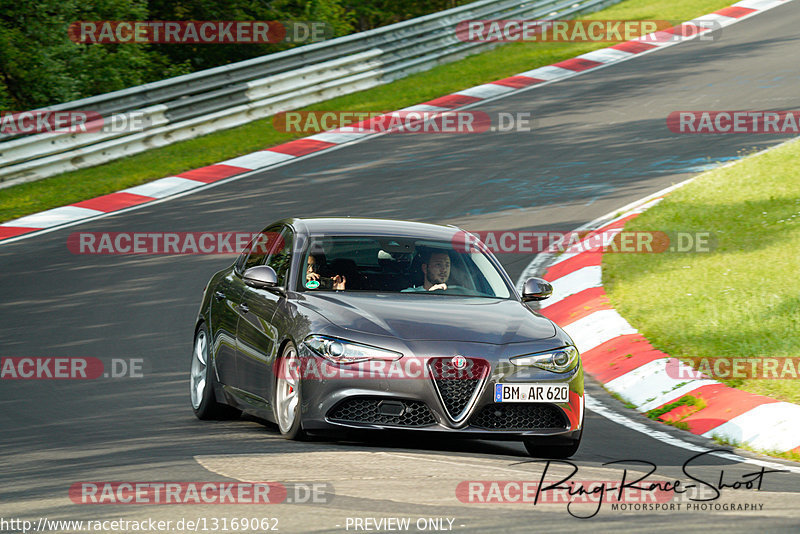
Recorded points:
257,336
224,320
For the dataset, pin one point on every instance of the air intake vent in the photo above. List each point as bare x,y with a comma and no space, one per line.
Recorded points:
519,417
458,387
380,411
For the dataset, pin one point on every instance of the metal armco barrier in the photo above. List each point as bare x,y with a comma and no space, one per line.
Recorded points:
196,104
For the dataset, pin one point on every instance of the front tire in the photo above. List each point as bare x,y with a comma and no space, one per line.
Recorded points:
287,399
202,382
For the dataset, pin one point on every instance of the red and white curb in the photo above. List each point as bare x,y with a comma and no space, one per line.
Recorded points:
235,168
620,358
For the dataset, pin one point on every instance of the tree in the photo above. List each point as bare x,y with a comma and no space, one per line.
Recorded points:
41,66
375,13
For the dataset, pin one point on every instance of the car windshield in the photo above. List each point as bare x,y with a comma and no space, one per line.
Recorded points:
394,264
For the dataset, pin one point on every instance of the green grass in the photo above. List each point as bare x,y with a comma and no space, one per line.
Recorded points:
743,298
505,61
627,404
686,400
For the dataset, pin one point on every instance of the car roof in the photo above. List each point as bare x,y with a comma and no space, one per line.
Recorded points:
373,227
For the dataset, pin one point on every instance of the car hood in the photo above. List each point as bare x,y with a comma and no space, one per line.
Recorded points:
416,317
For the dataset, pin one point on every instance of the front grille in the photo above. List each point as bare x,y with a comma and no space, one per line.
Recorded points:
367,410
519,417
457,387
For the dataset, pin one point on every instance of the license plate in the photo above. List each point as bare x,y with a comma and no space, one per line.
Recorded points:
531,393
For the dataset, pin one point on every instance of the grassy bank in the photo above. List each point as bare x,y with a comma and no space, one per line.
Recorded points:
508,60
742,300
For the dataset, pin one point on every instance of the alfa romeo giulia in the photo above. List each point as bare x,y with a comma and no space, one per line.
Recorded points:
335,325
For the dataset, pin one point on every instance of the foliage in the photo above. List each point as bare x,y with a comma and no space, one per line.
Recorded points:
41,66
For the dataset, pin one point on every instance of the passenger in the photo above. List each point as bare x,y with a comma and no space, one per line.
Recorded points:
316,270
436,270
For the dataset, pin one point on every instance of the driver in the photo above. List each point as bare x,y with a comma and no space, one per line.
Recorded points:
436,271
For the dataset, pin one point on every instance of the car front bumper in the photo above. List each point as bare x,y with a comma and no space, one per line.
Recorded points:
330,387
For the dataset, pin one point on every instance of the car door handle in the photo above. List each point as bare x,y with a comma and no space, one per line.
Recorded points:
243,307
219,295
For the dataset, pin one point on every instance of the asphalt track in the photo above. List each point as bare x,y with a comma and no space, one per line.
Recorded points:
600,142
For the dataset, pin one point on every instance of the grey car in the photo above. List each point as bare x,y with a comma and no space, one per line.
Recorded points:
343,325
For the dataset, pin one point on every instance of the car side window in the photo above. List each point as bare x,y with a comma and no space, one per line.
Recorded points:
280,257
258,249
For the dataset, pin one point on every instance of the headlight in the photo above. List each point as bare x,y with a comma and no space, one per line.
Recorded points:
341,351
559,360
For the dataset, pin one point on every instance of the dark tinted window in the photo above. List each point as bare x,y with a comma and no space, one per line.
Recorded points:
280,256
259,248
390,264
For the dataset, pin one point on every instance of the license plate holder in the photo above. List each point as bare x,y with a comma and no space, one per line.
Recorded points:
531,392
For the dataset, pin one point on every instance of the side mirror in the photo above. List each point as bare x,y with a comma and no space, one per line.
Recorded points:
260,277
536,289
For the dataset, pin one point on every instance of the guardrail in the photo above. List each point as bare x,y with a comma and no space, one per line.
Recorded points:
196,104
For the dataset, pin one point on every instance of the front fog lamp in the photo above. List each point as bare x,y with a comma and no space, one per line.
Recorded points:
559,361
341,351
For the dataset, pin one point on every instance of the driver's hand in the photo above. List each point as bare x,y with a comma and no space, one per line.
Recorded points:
312,276
339,282
437,286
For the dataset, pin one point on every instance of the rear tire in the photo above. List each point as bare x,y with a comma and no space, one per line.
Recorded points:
203,380
287,397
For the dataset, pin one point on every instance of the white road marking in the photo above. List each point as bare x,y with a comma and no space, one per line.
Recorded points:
54,217
486,90
549,73
770,426
573,283
339,136
595,329
600,409
606,55
650,385
257,160
163,187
